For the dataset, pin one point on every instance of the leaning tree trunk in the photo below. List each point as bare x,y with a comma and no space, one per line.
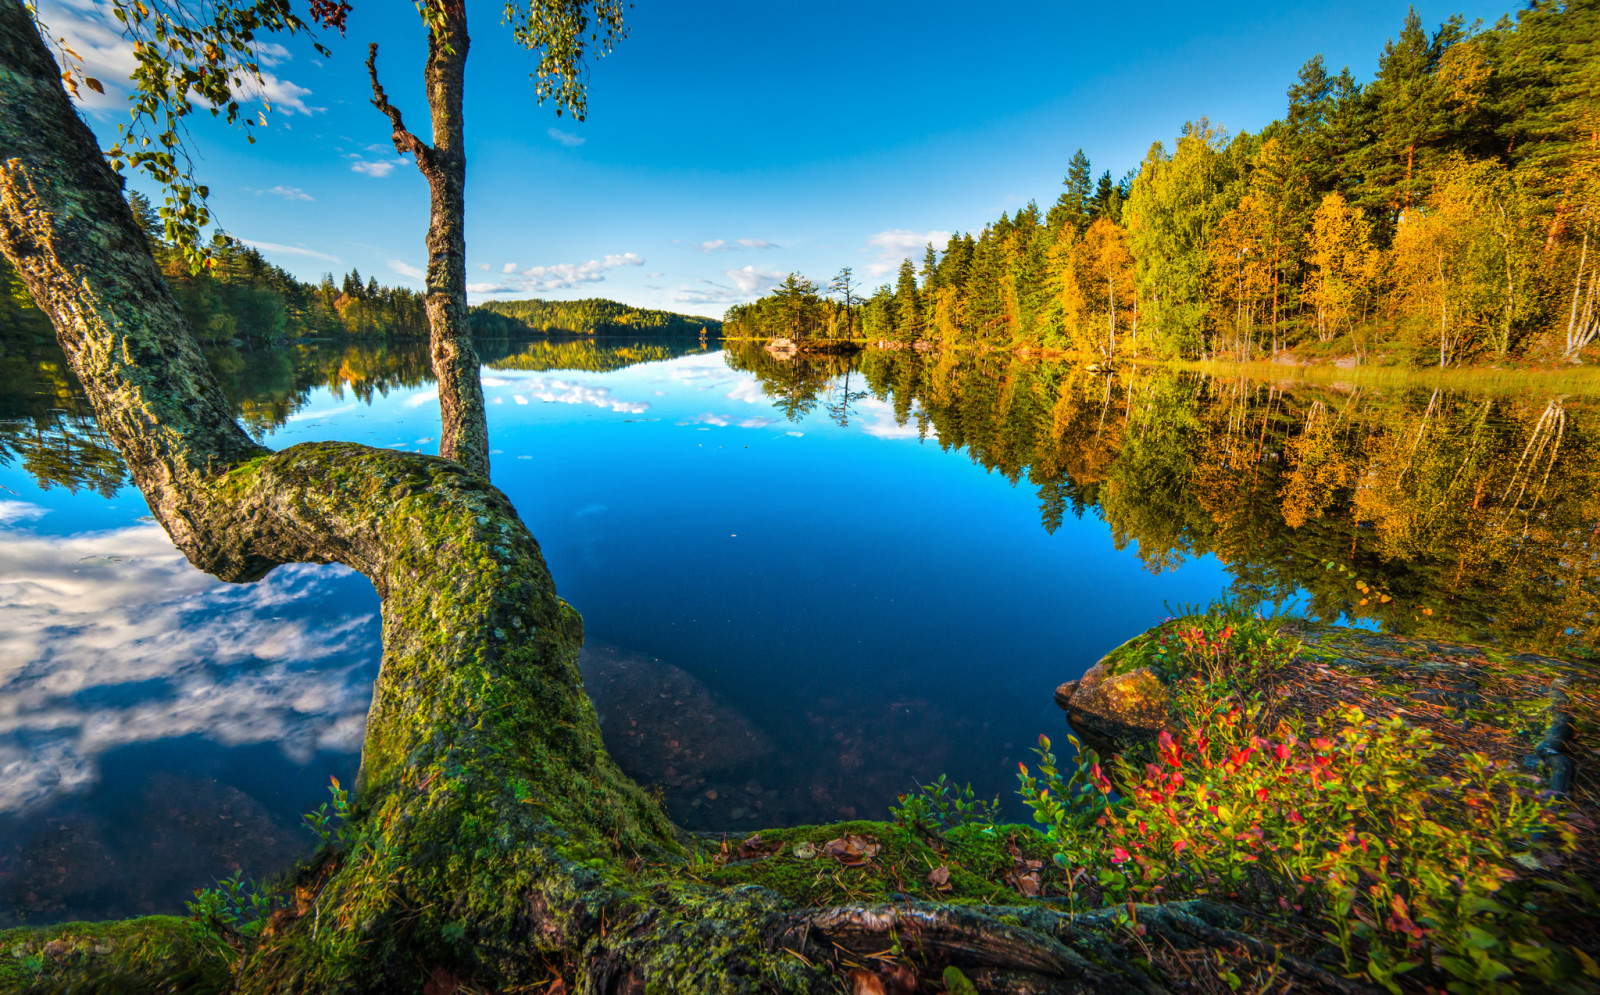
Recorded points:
463,432
493,839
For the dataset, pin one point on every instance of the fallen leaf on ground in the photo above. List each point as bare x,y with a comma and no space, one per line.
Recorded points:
852,850
865,983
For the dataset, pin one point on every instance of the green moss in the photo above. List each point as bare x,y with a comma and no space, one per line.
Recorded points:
979,860
151,954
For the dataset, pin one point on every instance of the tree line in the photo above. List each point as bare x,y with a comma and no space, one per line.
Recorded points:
1445,212
245,298
590,316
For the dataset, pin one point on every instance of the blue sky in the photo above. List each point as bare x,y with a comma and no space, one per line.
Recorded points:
730,143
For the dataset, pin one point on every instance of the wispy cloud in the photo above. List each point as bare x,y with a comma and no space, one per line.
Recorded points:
753,281
20,511
559,276
375,167
406,269
566,138
287,193
562,391
898,244
743,284
723,245
289,250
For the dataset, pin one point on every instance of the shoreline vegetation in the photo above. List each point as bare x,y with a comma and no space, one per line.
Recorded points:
246,300
1445,214
1325,808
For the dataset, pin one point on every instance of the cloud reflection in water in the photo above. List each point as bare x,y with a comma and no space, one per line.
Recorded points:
112,639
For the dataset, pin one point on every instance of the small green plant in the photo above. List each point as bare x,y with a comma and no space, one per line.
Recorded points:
1228,646
939,806
236,904
332,827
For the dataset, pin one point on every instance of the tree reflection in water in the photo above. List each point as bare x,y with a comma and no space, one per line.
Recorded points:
1452,513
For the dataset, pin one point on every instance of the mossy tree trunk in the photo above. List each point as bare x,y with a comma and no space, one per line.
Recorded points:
495,840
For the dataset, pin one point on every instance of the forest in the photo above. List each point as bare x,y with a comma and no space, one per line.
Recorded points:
590,316
1443,213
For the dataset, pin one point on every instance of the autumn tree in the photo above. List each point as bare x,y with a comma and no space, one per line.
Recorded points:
1345,267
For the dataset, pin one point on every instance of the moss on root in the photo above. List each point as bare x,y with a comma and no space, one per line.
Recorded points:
983,869
126,957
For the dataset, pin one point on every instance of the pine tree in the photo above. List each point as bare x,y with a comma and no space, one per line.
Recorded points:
1075,205
908,307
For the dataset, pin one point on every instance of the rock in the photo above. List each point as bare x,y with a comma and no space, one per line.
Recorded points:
1113,712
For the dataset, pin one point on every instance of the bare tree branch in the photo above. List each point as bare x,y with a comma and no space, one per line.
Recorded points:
404,141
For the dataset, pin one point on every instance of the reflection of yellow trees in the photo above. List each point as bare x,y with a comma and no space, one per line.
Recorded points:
1476,515
1319,466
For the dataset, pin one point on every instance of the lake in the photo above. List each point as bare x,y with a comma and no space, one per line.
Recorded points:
807,586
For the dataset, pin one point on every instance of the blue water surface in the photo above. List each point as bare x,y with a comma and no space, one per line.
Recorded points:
786,622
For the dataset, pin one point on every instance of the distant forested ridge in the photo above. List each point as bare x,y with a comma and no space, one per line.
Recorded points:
591,316
246,300
1446,212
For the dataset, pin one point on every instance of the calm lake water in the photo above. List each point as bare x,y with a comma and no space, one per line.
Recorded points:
807,587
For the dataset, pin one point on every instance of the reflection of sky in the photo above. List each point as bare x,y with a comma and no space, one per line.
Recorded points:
776,562
111,638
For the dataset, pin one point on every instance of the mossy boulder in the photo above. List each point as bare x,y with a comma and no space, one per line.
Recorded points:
1114,711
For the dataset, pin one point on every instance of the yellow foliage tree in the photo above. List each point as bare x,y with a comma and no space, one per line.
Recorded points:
1346,267
1095,286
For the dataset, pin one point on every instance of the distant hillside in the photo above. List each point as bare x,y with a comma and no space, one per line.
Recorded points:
593,316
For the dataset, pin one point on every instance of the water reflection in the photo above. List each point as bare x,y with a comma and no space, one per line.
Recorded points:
1466,515
117,656
781,630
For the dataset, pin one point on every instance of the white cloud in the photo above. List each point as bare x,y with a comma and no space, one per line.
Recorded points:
484,267
566,138
750,280
880,421
287,193
722,245
710,418
760,422
563,391
325,413
406,269
558,276
378,167
508,268
289,250
20,511
901,243
748,390
417,400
